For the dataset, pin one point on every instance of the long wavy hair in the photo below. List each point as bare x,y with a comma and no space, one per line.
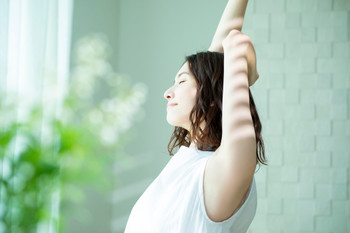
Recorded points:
208,70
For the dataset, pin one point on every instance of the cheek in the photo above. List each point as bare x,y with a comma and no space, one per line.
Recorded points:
187,97
193,94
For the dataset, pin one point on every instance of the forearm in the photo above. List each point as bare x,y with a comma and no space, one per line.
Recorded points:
232,18
237,124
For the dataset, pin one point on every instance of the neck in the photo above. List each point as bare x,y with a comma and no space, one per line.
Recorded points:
193,145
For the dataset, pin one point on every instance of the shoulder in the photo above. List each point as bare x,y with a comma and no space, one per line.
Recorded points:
223,193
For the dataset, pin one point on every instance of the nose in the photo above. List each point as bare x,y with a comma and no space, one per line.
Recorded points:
168,94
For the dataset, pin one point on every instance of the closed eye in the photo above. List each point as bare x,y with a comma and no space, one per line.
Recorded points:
180,82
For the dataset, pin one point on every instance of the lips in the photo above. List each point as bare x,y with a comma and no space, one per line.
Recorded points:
171,104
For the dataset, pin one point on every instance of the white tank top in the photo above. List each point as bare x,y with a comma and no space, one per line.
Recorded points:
174,203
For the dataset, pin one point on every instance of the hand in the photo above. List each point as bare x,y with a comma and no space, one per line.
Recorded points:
239,45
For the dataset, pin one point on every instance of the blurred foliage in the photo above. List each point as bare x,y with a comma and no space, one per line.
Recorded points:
46,158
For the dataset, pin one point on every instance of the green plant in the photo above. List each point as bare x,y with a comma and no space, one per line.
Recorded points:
46,157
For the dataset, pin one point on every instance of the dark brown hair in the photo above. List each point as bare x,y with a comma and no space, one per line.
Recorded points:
208,69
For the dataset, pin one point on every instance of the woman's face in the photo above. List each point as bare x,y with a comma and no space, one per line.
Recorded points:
181,98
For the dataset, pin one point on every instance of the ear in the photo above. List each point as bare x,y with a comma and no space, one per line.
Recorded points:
212,104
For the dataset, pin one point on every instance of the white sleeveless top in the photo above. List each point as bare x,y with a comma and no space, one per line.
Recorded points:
174,202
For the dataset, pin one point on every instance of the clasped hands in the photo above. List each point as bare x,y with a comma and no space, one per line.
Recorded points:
238,47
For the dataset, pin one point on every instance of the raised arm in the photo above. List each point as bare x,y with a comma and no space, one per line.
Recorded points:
230,171
232,18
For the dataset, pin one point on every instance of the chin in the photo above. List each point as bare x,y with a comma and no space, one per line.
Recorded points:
174,123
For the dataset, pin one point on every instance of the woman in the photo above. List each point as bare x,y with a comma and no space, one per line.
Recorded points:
208,185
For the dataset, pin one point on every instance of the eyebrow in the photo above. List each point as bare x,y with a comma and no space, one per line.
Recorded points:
180,75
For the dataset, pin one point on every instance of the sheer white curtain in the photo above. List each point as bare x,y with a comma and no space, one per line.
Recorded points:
34,45
34,61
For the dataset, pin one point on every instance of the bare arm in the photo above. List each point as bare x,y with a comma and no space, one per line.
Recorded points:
230,171
232,18
237,124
